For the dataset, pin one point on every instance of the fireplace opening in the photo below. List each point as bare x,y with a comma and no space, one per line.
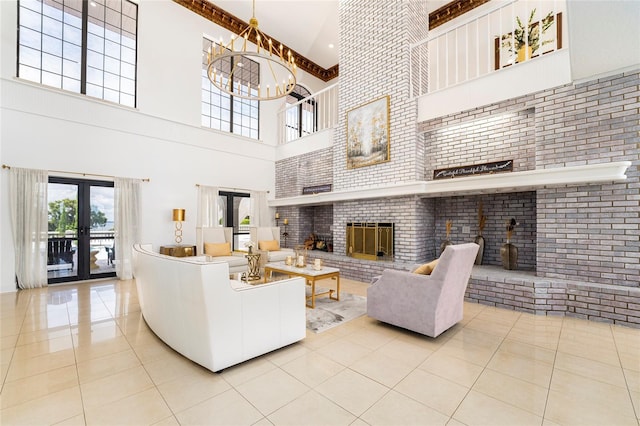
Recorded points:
370,240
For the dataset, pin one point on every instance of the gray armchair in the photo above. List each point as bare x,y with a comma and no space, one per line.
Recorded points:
426,304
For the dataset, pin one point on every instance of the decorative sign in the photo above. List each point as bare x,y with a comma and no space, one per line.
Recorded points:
477,169
316,189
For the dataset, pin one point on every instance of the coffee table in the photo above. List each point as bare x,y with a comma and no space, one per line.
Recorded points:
310,275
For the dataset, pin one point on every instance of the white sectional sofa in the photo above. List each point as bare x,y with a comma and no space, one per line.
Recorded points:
195,308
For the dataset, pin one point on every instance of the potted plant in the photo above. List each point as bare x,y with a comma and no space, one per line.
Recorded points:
509,252
479,240
525,39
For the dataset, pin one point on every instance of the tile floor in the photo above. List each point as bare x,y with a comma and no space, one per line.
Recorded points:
82,354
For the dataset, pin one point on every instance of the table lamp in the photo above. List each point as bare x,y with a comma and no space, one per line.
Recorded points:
178,218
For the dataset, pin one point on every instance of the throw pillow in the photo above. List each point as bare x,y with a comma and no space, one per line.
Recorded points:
271,245
427,268
217,249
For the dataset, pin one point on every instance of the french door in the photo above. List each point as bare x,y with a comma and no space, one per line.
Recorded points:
81,230
235,208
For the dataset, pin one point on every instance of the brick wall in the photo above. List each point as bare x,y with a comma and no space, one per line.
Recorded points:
374,53
310,169
553,296
412,219
507,136
589,232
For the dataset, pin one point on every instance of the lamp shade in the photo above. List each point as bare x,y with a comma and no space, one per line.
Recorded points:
178,215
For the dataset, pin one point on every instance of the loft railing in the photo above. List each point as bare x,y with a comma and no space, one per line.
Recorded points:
309,115
502,36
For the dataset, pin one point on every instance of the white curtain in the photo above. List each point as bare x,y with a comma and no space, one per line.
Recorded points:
260,213
29,210
127,224
208,211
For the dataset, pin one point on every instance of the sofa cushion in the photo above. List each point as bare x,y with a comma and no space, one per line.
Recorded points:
269,245
427,268
217,249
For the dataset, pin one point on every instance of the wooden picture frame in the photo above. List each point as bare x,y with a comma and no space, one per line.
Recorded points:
368,134
504,58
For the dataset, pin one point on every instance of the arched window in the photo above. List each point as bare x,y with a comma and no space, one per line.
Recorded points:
302,120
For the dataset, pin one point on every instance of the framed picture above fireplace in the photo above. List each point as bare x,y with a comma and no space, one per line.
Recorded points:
368,134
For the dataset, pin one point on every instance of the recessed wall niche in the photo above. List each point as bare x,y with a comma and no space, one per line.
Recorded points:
317,220
498,208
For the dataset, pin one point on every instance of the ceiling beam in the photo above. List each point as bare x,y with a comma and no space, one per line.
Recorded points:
236,25
232,23
451,11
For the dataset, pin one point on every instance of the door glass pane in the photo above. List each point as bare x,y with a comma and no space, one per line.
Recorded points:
242,209
62,247
101,245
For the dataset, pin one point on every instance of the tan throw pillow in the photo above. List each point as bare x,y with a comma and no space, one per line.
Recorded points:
427,268
217,249
271,245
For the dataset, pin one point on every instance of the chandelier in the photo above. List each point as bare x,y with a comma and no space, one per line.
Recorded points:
225,65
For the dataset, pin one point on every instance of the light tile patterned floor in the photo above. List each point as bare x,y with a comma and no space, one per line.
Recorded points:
82,354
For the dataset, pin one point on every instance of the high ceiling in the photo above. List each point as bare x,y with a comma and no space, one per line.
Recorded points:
307,26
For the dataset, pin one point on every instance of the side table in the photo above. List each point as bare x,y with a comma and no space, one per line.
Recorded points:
253,272
178,251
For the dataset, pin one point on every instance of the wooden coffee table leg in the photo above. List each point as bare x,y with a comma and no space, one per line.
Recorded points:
313,293
337,290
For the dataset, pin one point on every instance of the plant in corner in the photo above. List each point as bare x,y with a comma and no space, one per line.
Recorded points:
446,242
479,240
508,251
524,41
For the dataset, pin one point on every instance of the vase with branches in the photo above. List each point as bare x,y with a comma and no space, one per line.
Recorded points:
446,242
479,240
525,39
508,251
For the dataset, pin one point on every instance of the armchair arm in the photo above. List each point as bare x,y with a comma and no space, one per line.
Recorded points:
395,282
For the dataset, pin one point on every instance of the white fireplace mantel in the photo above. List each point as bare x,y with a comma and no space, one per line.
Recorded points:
529,180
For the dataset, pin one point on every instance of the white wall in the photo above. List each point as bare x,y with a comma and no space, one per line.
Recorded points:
604,36
162,139
551,70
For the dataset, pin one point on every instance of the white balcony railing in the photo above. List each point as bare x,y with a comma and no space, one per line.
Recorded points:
486,42
309,115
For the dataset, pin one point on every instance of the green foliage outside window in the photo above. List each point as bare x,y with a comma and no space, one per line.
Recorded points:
63,216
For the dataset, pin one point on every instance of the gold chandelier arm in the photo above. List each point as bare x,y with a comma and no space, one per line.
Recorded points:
281,68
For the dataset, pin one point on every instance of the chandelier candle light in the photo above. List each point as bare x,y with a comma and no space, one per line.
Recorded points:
281,78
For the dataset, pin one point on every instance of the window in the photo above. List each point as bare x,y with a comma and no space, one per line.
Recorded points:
301,121
222,111
83,46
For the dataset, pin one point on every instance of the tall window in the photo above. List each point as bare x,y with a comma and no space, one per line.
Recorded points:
222,111
301,121
84,46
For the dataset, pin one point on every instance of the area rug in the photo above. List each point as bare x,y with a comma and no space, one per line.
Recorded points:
330,313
